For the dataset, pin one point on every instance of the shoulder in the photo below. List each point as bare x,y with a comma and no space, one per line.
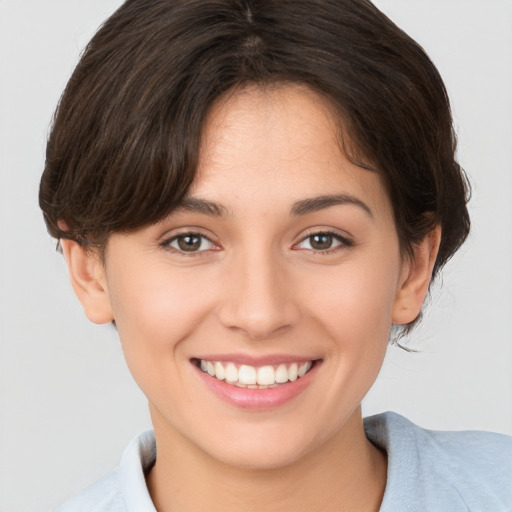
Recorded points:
103,495
123,490
466,470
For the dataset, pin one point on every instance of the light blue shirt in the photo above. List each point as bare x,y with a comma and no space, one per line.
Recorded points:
428,470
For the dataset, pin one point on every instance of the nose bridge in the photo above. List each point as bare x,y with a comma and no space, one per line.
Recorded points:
259,301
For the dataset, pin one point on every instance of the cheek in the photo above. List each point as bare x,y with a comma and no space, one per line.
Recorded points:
355,314
155,314
355,300
155,310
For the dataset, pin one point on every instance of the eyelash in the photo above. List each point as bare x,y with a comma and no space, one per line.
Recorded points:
343,243
166,244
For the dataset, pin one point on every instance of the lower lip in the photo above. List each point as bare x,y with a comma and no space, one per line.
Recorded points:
258,399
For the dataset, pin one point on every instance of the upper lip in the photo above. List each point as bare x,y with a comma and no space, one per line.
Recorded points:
257,361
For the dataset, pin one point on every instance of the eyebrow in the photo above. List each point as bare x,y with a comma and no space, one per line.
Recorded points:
316,204
198,205
303,207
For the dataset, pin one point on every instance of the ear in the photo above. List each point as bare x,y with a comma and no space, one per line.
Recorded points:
87,274
415,278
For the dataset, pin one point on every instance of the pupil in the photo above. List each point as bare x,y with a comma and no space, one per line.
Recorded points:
189,242
321,242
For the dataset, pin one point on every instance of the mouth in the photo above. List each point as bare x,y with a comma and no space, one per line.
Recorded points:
254,377
257,384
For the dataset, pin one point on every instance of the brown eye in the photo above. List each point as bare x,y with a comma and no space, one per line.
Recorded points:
321,241
189,242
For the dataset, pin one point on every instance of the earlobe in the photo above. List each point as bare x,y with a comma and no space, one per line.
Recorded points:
415,278
87,274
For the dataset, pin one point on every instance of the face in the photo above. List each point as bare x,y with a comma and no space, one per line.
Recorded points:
281,270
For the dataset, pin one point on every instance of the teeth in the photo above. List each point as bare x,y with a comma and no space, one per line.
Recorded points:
303,368
293,372
266,376
231,373
281,374
220,373
247,375
250,377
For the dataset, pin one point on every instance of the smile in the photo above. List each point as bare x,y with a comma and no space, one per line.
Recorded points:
252,377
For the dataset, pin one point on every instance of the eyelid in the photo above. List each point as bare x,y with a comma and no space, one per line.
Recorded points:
169,239
344,240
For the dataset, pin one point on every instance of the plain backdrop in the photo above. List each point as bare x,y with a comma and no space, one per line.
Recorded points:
68,405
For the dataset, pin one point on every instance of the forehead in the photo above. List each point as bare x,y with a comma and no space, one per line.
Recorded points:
281,143
289,117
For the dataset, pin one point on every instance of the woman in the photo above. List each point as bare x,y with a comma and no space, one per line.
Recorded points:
255,193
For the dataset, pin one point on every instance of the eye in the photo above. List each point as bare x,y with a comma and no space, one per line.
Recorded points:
323,242
189,242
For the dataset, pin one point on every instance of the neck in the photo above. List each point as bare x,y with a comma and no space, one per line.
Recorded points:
347,473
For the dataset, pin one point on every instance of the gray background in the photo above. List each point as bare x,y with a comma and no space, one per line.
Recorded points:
68,406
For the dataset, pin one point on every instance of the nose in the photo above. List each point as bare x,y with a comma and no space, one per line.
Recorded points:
259,298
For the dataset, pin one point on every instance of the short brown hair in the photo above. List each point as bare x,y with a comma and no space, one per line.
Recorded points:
124,146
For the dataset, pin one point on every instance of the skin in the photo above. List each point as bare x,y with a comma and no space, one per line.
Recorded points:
256,286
